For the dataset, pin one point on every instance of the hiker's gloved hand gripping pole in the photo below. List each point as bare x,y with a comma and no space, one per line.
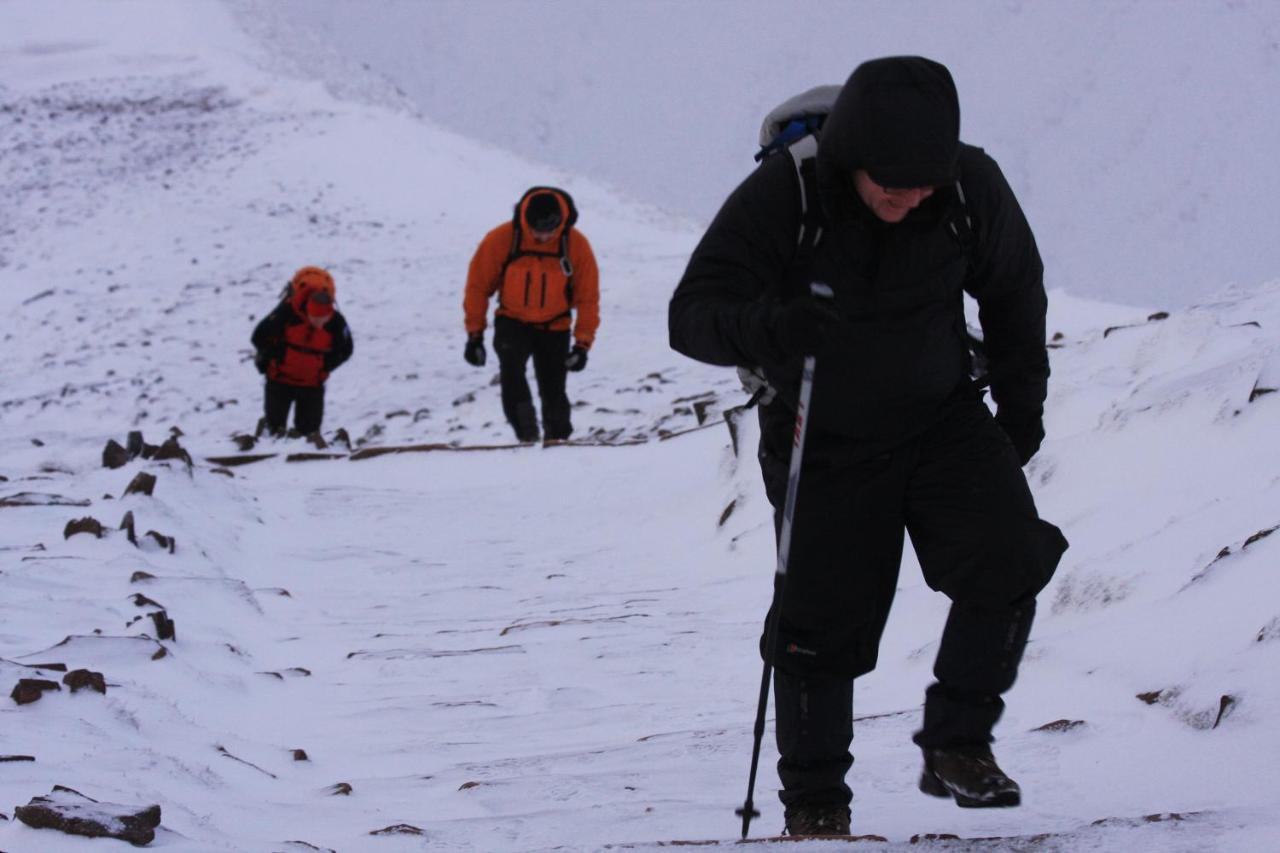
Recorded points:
748,810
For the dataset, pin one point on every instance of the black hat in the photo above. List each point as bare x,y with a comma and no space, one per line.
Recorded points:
543,212
898,118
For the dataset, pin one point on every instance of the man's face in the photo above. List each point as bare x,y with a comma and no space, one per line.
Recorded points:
890,205
542,236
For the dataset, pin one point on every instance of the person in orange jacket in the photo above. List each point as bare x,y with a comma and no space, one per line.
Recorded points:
547,282
298,345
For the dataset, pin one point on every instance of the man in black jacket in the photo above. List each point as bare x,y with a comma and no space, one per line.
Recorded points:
899,437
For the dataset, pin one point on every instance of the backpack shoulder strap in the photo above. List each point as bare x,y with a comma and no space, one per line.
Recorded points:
804,158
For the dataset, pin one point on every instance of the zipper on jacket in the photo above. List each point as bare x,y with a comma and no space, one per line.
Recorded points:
542,303
528,282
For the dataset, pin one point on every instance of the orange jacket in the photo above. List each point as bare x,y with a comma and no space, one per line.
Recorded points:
530,280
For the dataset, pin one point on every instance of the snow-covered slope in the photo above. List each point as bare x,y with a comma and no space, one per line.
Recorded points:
536,648
1135,133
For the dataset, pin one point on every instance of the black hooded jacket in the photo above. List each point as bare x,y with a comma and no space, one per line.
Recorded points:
902,351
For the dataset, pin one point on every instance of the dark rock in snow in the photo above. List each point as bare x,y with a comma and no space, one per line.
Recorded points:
79,679
1063,725
71,812
142,484
88,524
398,829
172,450
4,759
300,755
140,600
29,690
114,455
126,524
134,444
169,543
165,629
41,499
140,576
244,442
342,788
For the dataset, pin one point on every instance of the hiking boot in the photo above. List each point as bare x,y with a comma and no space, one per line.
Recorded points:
526,423
970,775
820,820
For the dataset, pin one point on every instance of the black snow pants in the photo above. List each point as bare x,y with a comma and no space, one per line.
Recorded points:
959,491
308,407
514,343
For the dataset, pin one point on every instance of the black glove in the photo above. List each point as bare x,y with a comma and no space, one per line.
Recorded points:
806,326
261,360
577,359
1026,431
474,352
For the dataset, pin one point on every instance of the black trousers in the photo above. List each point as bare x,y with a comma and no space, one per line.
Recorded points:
958,491
308,407
515,343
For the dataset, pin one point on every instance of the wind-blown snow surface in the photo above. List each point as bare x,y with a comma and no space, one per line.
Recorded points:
535,648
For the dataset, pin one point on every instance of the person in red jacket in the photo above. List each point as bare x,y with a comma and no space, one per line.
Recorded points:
547,282
302,341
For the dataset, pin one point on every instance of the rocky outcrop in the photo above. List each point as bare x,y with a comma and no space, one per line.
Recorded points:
67,810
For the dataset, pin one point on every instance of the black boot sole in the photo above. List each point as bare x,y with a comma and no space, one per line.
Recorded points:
934,787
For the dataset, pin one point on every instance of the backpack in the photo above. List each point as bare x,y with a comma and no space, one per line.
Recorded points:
795,126
561,252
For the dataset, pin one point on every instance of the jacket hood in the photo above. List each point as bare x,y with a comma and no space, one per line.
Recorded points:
898,118
568,213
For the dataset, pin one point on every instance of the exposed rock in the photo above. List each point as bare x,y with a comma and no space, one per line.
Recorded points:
341,789
126,524
69,811
342,437
468,785
79,679
398,829
1226,704
223,471
114,455
172,450
140,600
244,443
142,484
140,576
169,543
88,524
1060,726
728,511
134,444
226,754
300,755
1270,631
233,461
165,629
41,499
4,759
29,690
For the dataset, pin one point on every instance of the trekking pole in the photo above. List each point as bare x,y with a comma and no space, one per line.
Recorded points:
748,810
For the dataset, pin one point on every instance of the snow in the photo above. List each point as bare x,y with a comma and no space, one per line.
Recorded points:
1136,134
530,648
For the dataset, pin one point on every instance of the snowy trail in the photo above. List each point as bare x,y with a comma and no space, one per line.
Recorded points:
537,648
